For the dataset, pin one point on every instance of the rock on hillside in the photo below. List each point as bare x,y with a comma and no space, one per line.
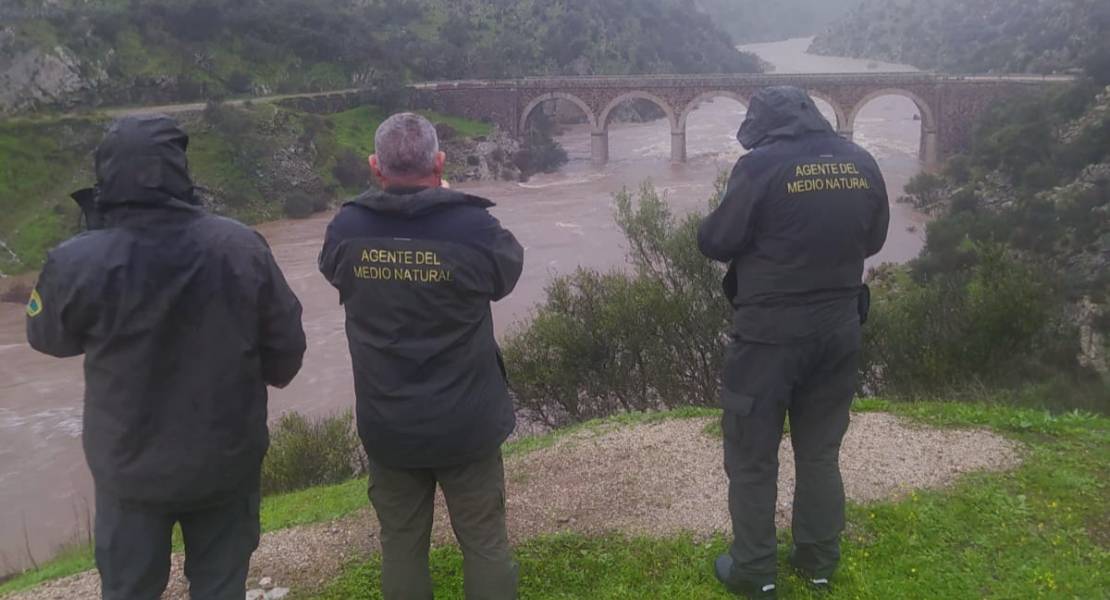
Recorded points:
1035,36
32,76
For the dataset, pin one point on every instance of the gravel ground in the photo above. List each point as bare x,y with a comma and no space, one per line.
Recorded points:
655,479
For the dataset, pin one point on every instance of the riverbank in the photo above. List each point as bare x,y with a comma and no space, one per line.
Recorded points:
1024,488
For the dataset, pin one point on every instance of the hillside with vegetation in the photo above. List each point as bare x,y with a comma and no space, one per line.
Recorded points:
1017,258
750,21
986,36
78,53
256,163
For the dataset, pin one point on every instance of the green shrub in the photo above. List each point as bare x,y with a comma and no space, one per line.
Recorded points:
351,170
981,324
540,153
615,342
308,452
298,206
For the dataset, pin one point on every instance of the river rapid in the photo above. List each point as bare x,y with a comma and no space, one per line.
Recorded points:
564,220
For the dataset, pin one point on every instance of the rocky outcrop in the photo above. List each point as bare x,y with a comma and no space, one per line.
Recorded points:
489,158
35,77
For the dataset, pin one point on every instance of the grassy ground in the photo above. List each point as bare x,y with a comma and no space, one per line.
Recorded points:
278,512
1037,532
355,128
328,503
40,164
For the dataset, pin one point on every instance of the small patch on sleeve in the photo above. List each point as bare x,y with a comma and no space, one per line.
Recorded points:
34,305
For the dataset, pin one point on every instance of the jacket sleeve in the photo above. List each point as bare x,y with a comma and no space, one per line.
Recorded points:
725,233
281,334
506,256
52,326
329,254
880,220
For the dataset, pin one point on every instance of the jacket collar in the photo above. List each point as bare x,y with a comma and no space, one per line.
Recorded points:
414,202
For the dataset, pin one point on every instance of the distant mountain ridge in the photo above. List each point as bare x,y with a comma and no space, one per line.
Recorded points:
979,36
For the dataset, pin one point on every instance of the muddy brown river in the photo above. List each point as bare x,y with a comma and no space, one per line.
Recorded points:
564,220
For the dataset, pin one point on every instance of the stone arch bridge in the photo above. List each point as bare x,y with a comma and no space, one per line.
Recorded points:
948,105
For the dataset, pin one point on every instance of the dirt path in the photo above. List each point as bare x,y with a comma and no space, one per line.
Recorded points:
658,479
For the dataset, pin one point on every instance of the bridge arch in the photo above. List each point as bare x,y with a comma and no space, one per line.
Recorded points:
693,105
841,118
537,101
929,152
603,119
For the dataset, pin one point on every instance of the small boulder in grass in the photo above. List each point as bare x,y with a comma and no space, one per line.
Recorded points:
266,583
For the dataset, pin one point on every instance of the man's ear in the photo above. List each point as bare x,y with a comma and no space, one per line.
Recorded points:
375,168
441,164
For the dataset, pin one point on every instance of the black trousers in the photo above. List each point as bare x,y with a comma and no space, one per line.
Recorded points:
813,382
133,545
475,494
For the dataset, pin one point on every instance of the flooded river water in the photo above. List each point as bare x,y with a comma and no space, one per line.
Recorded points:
563,219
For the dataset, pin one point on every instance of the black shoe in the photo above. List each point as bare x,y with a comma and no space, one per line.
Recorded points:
812,581
748,589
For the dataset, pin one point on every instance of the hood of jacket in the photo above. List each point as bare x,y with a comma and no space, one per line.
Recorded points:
142,161
779,113
415,202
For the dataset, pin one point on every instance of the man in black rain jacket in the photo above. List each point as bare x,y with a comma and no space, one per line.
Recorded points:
417,266
183,318
800,215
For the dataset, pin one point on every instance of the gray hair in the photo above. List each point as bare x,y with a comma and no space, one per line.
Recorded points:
406,145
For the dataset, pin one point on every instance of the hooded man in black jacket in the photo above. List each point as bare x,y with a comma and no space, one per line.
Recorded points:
183,318
800,215
416,266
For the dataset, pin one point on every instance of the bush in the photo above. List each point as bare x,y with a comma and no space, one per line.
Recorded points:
981,324
541,153
925,191
306,452
608,343
351,170
298,205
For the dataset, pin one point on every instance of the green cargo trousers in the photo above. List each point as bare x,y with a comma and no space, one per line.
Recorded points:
404,501
814,382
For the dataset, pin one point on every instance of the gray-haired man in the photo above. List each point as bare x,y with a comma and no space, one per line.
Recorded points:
416,266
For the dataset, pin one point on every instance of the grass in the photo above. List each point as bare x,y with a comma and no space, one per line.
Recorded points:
73,559
328,503
1037,532
314,505
355,128
40,164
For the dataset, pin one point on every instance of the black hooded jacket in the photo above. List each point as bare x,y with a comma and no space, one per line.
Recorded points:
183,318
416,270
801,213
